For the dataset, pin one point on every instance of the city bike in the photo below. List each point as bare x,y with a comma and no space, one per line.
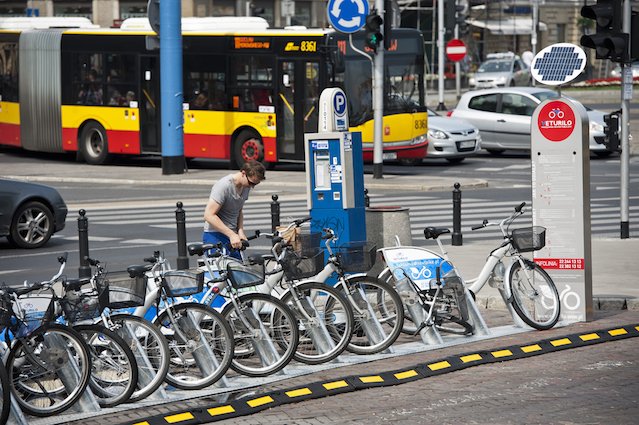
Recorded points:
522,283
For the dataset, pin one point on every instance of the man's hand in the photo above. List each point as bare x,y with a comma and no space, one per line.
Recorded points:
236,241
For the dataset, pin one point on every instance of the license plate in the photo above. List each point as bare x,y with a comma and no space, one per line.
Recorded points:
389,155
467,144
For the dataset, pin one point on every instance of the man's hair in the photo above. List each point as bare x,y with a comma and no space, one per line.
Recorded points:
254,169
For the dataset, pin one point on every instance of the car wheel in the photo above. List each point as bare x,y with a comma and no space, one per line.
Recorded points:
32,225
93,144
455,160
495,151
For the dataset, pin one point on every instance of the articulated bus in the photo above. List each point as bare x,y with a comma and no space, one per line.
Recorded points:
250,92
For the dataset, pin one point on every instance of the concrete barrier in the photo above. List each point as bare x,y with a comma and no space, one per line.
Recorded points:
384,222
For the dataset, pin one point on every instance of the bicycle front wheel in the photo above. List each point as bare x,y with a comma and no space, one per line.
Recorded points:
48,370
378,312
114,371
265,333
325,321
201,344
150,349
534,295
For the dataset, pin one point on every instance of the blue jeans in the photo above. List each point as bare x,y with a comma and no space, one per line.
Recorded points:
215,237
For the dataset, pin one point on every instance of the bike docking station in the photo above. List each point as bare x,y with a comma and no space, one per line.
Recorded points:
561,182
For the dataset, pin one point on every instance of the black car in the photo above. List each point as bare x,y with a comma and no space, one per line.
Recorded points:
30,213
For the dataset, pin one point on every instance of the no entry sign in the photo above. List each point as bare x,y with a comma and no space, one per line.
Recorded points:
455,50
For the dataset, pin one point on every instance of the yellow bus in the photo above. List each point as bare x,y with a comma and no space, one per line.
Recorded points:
250,92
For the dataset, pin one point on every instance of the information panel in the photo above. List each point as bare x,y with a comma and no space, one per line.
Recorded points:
561,201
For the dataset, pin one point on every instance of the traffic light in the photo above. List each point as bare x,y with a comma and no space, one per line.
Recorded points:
373,30
611,130
609,41
453,15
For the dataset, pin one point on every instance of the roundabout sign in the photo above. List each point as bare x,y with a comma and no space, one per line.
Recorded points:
347,16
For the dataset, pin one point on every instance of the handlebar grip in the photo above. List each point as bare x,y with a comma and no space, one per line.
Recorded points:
277,239
518,208
245,244
91,261
151,260
301,221
477,227
63,258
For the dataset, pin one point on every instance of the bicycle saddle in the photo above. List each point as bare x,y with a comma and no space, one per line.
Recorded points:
435,232
138,270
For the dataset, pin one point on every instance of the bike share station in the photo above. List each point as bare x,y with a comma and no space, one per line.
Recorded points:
335,184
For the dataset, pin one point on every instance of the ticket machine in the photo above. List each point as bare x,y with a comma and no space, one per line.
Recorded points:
335,171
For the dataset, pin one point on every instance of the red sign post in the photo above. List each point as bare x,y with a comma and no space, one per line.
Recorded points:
455,50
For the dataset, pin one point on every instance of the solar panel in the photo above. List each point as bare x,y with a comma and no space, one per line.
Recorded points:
558,64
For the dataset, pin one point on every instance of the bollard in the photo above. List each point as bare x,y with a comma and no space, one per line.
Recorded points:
84,271
367,199
180,220
275,213
457,235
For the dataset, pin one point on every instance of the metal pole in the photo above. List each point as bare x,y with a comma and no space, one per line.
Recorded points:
626,96
533,33
457,67
275,213
367,199
171,87
440,53
378,102
457,197
84,271
180,220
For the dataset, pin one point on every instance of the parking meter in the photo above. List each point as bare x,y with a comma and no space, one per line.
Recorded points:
335,172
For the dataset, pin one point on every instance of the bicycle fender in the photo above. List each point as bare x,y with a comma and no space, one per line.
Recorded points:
509,295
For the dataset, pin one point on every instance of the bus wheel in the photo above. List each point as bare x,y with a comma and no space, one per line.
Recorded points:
93,144
248,146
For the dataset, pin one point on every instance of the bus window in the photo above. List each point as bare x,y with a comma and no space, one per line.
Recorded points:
121,85
205,82
9,72
251,82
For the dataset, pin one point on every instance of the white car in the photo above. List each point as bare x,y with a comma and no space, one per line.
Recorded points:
503,117
451,138
616,72
501,70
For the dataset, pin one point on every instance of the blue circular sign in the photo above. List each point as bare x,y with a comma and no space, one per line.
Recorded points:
339,103
347,16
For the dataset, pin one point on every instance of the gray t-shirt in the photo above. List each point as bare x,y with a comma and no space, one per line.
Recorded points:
224,193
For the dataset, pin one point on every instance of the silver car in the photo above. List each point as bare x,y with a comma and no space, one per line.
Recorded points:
451,138
501,70
503,117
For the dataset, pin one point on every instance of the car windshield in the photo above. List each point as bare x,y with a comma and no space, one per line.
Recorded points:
495,66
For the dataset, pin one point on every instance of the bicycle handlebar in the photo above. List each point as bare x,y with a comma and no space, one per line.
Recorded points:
518,211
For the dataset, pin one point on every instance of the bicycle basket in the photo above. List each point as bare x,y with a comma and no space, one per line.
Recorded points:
243,276
304,243
85,304
357,257
36,309
529,239
182,283
125,291
297,266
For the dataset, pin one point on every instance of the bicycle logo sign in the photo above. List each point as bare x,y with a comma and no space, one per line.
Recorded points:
556,121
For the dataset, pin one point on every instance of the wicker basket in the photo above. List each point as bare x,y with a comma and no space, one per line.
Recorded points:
529,239
125,291
302,242
182,283
357,257
298,266
85,304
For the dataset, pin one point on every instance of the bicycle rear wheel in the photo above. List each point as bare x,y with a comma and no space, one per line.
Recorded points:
151,352
379,315
327,332
534,295
201,343
265,332
114,372
48,370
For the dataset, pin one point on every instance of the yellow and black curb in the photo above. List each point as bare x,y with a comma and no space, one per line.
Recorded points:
255,403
